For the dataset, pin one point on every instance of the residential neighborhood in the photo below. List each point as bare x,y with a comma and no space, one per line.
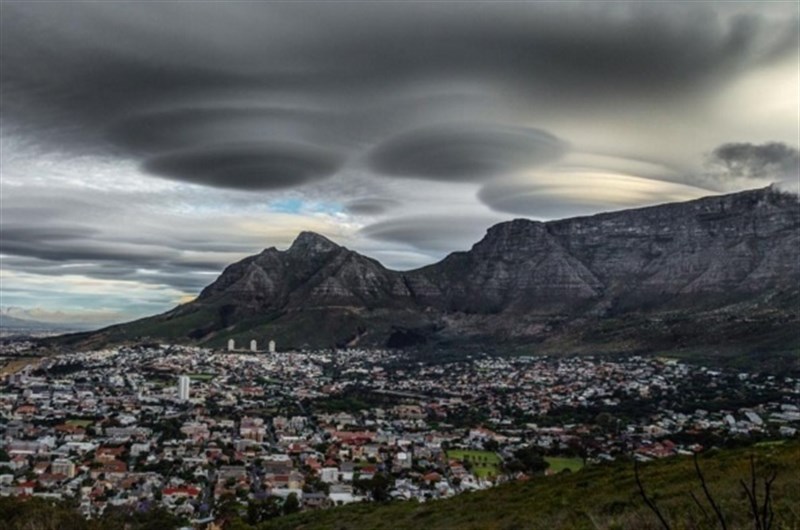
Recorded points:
191,429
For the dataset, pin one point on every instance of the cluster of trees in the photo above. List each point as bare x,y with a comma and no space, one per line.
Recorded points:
353,399
378,487
527,460
235,517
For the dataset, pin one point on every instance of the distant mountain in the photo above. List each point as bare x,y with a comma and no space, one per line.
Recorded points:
716,274
7,322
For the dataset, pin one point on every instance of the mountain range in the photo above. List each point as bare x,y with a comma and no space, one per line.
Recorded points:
719,274
10,323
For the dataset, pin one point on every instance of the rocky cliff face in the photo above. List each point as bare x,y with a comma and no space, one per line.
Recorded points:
658,277
708,250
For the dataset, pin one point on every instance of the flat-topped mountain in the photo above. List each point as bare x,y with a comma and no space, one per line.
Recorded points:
719,272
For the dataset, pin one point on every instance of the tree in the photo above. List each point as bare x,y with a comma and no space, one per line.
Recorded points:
292,504
228,507
263,510
527,460
380,485
152,519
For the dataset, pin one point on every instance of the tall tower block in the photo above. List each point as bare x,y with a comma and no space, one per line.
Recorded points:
231,345
183,388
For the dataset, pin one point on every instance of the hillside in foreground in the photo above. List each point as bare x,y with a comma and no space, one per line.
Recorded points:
602,496
597,497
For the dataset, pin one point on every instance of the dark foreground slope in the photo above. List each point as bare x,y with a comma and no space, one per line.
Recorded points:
715,274
603,496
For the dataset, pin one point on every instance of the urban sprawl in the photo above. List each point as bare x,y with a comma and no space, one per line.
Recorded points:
189,428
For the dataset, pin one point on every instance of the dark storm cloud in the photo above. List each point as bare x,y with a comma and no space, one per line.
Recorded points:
431,233
58,231
183,279
246,166
52,253
774,160
75,245
182,128
10,234
370,206
465,152
138,218
587,51
164,76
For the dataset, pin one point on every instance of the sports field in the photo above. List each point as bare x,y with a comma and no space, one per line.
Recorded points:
484,463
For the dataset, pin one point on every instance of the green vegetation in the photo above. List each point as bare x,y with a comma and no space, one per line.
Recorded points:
201,377
353,399
41,514
559,464
483,464
527,460
600,496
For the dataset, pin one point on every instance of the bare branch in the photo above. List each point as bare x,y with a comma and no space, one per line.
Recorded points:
751,498
697,502
766,511
710,499
764,515
754,491
649,502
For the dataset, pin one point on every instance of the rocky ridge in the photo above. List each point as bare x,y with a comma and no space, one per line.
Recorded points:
713,271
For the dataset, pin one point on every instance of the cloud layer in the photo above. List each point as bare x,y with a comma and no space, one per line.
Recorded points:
152,144
246,166
465,152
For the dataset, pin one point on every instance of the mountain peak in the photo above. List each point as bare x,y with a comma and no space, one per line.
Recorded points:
308,241
722,264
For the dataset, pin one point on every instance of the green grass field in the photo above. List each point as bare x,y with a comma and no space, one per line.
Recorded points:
484,463
559,464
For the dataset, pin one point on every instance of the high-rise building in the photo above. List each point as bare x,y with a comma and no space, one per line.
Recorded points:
183,387
272,346
231,345
253,345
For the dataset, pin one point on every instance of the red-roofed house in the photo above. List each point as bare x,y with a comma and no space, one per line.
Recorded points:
181,492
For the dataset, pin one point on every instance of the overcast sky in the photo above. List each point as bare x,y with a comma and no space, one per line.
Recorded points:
147,145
